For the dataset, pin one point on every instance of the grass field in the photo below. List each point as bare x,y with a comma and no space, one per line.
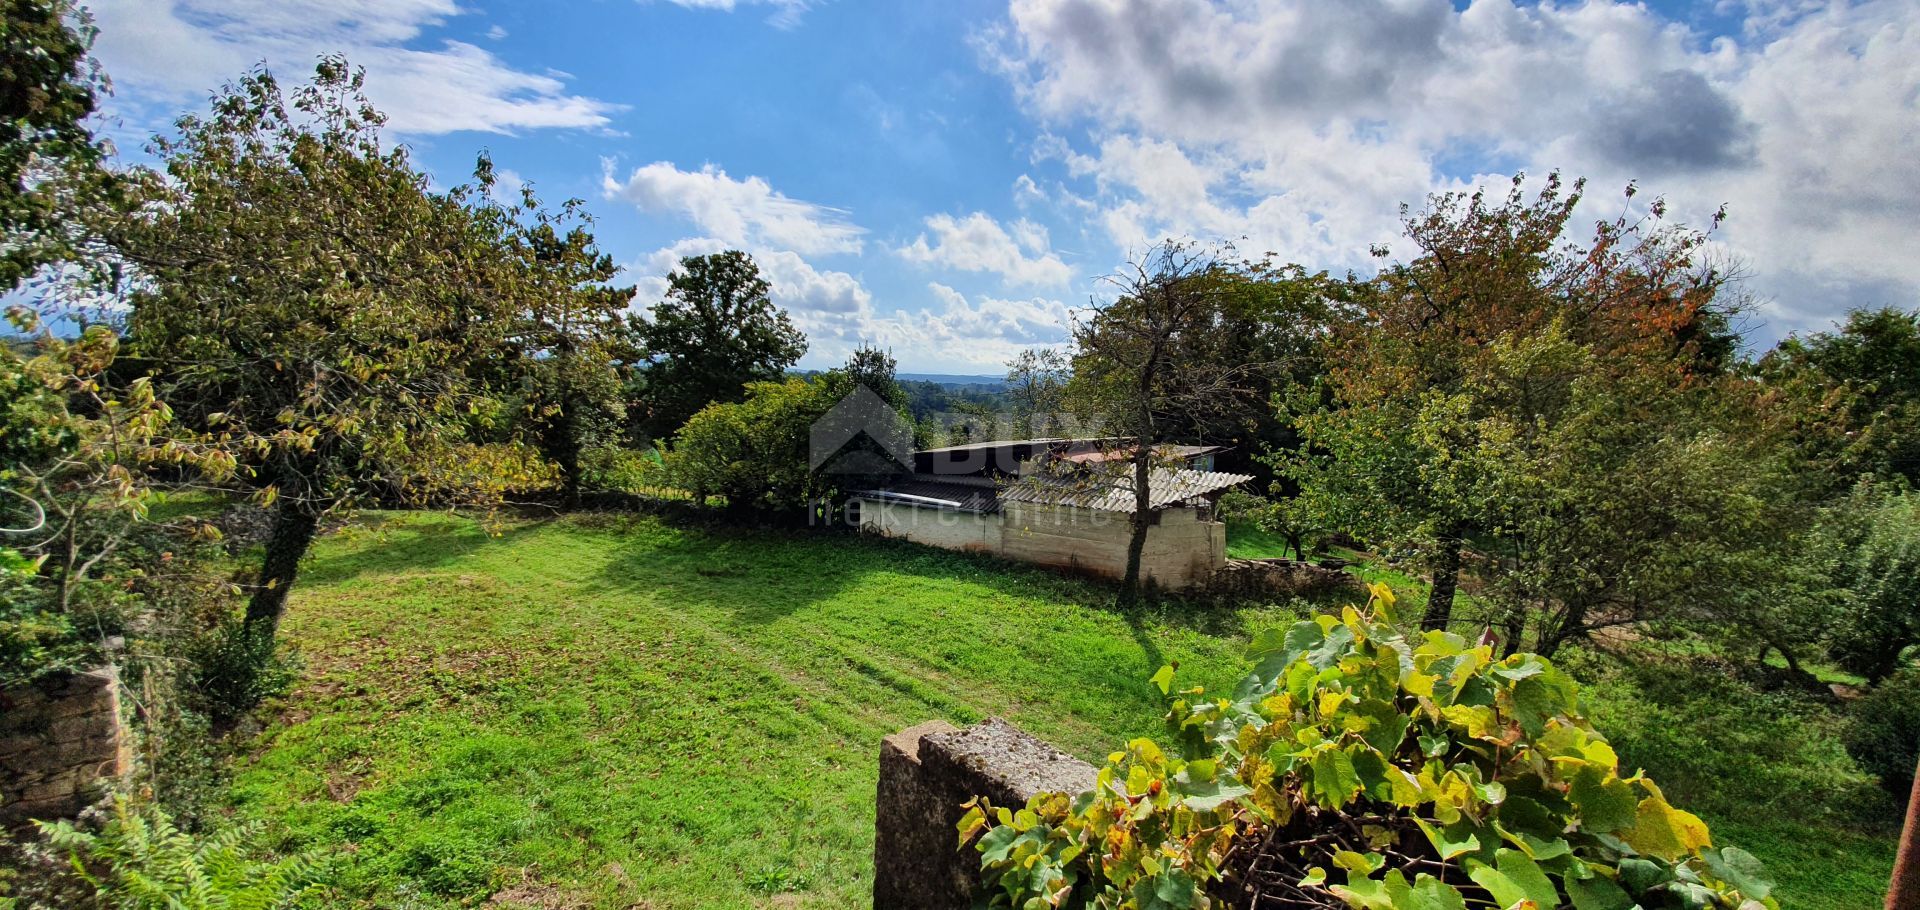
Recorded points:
616,712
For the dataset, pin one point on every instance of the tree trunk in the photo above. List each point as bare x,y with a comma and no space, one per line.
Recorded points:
294,524
1446,578
1142,501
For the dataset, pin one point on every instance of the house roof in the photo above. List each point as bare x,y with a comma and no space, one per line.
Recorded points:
977,494
1165,487
962,494
1165,451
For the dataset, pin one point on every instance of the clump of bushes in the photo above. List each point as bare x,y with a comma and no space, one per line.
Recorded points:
1701,727
1358,767
1883,732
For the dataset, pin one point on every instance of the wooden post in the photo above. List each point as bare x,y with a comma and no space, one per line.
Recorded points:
1903,893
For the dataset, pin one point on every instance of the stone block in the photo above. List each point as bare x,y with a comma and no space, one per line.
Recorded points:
926,773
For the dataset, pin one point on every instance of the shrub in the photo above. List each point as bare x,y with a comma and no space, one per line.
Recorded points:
140,861
233,669
1367,769
1702,727
1883,732
622,470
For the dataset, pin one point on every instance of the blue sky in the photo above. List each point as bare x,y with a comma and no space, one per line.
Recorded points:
950,179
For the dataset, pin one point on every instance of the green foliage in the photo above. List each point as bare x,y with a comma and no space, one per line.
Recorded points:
754,452
73,497
623,470
874,368
560,368
715,332
1720,739
1563,409
35,638
1870,542
233,667
140,861
48,88
1490,760
314,309
1855,397
1883,732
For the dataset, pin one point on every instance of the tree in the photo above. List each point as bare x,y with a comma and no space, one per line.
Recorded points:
874,368
1855,397
311,307
715,332
48,87
754,452
1036,385
569,333
1156,350
1393,434
74,457
1873,536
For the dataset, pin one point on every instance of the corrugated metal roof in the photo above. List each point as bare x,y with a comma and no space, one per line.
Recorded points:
1164,451
926,492
1165,487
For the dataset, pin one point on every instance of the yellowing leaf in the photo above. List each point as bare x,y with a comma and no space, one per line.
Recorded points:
1663,831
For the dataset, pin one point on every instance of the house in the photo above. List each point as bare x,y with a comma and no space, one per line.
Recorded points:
1057,502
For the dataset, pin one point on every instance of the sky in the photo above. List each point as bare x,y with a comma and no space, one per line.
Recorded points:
951,180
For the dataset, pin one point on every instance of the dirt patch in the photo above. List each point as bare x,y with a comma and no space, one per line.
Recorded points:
537,895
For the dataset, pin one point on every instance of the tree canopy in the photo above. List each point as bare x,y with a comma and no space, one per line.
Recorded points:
715,331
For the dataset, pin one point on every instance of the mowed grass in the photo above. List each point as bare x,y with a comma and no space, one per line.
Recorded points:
618,713
600,711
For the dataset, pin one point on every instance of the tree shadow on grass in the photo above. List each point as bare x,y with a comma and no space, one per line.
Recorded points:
387,543
759,576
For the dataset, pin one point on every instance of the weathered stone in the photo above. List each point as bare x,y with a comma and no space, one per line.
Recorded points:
60,742
926,773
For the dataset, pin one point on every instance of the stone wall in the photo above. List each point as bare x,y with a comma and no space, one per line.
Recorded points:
926,773
61,742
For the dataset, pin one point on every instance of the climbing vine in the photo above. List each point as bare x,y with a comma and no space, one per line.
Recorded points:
1358,767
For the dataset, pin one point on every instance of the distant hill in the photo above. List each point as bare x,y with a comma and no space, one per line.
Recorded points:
953,379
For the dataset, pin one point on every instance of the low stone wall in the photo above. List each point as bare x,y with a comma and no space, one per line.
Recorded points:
926,773
61,742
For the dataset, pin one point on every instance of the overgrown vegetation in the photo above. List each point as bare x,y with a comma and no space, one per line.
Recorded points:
1467,778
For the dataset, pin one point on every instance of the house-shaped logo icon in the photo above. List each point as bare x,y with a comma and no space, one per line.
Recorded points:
860,412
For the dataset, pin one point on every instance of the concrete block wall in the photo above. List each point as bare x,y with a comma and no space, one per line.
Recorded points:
61,742
1182,550
926,773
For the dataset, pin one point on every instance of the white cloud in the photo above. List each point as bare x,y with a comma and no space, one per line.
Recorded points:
970,336
1301,126
977,243
836,312
163,53
741,212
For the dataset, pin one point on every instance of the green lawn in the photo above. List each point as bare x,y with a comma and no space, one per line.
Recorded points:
623,713
615,712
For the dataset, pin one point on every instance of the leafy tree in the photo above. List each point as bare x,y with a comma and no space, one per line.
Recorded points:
1855,396
1159,349
311,307
715,332
48,87
1036,384
874,368
568,336
1393,433
74,457
1873,538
